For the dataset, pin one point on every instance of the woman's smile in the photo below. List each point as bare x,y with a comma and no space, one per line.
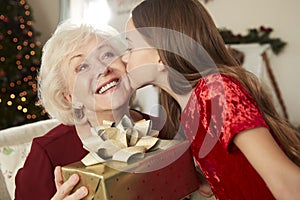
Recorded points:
108,86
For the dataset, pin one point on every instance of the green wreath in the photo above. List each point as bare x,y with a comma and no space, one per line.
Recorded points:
261,36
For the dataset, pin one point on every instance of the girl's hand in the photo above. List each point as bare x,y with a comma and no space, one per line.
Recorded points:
204,187
205,190
63,189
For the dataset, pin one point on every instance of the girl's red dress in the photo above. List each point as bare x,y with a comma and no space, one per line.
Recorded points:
219,108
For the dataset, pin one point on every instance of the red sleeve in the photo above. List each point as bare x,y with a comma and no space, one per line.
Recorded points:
33,181
226,108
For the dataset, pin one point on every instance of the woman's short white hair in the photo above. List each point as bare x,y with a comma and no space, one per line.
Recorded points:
67,38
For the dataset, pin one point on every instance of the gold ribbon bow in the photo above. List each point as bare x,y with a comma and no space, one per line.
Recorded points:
120,143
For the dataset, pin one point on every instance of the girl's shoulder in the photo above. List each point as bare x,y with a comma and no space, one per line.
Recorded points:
218,84
218,78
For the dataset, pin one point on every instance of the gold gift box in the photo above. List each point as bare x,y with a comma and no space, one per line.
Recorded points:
166,174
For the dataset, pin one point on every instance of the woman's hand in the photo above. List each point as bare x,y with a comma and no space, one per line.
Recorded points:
63,189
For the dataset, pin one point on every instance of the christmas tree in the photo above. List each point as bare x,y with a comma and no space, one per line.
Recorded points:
20,54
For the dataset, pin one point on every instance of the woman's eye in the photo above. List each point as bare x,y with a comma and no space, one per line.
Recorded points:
107,55
81,67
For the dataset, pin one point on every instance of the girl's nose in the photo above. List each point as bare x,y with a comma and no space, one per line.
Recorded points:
125,57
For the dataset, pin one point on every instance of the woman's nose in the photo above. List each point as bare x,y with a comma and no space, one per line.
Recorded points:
107,70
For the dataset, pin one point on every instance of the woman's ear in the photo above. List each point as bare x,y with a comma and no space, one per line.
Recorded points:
67,96
72,100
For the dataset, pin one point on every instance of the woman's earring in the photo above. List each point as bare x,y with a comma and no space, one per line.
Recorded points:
79,116
78,112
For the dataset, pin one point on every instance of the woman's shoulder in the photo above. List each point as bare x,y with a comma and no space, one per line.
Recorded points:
61,144
59,132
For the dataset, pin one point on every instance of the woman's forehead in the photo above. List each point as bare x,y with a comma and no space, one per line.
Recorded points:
84,48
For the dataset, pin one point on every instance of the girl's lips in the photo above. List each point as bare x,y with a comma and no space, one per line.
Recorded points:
107,85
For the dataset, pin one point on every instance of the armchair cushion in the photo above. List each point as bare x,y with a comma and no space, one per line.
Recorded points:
15,144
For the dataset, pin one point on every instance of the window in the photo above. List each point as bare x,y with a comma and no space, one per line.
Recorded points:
95,12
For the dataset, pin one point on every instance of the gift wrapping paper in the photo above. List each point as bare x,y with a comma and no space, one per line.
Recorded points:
163,174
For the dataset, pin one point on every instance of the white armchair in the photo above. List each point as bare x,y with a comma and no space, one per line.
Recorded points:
15,144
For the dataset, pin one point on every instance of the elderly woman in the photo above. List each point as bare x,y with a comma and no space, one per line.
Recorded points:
76,93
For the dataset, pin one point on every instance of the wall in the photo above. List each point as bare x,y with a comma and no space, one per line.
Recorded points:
238,16
45,15
284,18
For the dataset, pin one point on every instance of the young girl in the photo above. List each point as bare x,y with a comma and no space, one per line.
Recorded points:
243,147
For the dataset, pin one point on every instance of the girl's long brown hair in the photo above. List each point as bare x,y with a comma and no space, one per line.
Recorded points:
192,19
